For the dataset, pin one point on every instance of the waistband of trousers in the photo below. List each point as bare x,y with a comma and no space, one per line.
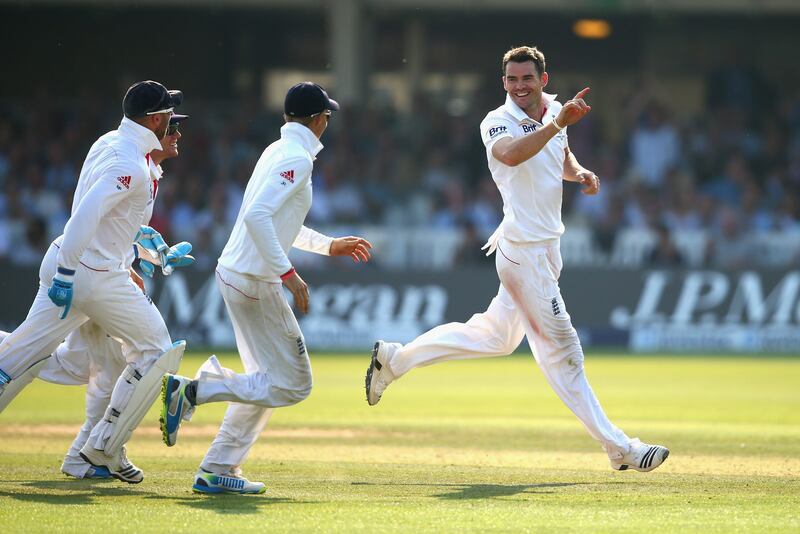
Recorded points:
95,261
546,243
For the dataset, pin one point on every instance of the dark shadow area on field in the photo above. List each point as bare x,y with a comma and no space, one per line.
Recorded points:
484,491
227,504
71,491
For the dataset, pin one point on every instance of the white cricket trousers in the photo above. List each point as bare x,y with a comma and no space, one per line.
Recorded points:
528,303
87,357
103,292
277,367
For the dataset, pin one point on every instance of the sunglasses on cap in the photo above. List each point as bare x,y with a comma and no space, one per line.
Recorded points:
325,112
167,103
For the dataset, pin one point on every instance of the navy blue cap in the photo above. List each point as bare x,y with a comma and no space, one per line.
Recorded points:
149,97
306,99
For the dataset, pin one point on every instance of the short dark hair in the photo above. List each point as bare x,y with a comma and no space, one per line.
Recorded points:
305,121
521,54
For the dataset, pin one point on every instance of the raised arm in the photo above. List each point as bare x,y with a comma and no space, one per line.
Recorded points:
512,151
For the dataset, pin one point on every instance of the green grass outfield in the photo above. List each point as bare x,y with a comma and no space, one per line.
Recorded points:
473,446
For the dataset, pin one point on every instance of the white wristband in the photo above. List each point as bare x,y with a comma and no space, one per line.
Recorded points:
558,126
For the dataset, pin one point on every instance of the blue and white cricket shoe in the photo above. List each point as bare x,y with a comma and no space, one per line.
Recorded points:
173,406
97,473
641,457
94,473
205,482
117,466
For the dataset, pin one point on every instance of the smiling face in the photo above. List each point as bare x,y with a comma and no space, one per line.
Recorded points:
169,146
170,143
524,84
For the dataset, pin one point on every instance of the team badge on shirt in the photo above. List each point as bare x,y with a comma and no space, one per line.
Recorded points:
125,181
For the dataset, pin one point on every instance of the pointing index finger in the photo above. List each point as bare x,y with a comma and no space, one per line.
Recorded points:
581,93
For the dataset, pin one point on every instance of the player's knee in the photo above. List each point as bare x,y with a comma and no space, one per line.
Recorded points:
299,394
301,389
563,335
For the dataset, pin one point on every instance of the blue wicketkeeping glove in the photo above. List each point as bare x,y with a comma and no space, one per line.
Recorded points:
60,291
152,242
176,256
147,268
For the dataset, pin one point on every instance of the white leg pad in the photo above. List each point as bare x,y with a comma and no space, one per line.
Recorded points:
132,397
13,388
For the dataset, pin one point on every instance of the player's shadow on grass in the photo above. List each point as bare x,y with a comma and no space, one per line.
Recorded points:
79,492
486,491
227,504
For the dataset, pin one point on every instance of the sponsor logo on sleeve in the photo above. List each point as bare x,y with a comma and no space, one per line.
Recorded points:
288,176
125,181
496,130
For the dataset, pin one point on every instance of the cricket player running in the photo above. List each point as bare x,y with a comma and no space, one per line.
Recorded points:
84,276
249,275
529,158
91,357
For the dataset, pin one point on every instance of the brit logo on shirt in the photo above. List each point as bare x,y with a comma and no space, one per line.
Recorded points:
125,181
288,175
496,130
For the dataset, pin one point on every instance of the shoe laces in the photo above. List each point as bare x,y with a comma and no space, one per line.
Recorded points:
123,458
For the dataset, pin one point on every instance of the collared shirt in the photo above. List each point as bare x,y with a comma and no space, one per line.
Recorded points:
111,198
532,190
156,172
276,201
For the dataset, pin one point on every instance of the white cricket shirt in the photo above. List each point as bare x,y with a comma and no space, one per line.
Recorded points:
276,201
532,190
113,194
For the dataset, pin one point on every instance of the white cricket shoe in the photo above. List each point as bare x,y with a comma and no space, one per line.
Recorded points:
641,457
118,465
205,482
379,374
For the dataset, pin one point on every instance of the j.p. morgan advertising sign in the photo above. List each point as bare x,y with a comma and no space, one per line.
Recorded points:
645,310
714,311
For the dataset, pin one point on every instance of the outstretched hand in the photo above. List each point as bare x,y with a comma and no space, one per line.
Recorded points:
357,248
574,110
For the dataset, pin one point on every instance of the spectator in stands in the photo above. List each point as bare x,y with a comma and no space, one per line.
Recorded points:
655,146
30,250
730,246
469,252
729,186
665,253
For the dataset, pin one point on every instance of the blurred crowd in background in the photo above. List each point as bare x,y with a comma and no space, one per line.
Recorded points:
720,189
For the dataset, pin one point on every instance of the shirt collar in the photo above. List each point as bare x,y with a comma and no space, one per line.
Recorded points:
146,141
156,172
515,111
299,133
